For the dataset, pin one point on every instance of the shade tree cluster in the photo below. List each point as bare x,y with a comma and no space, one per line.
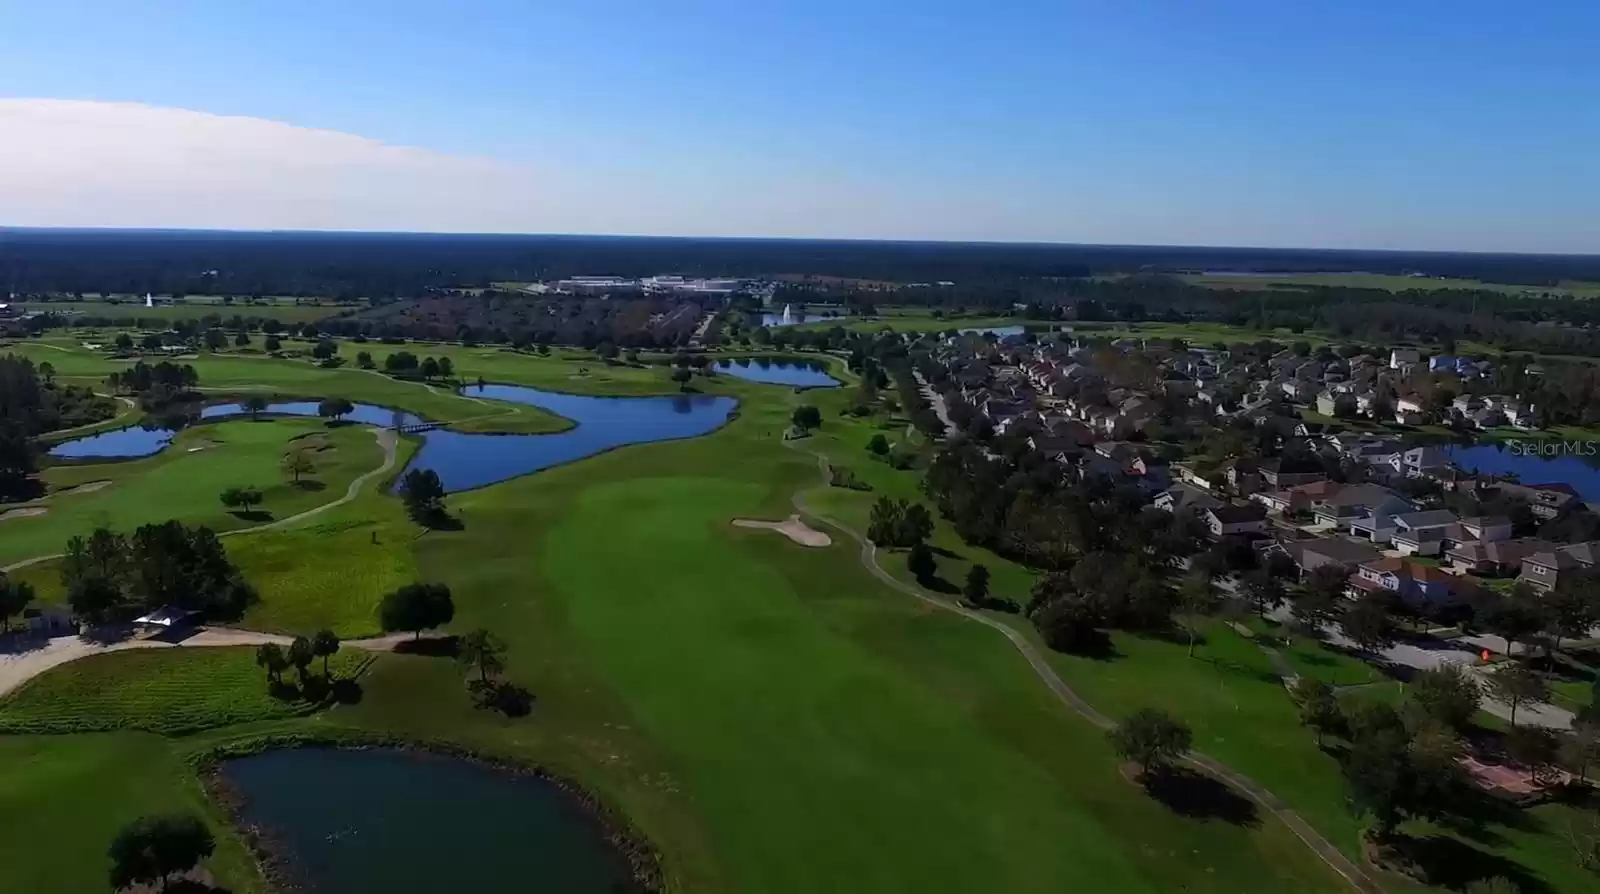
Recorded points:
110,576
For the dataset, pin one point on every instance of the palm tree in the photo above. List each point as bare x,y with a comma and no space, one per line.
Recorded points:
326,644
484,650
271,657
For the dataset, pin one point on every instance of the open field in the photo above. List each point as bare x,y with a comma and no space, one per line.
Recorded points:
1390,282
184,481
234,373
171,691
191,309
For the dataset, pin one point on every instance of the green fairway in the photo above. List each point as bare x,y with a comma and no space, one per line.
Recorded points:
184,482
65,797
172,691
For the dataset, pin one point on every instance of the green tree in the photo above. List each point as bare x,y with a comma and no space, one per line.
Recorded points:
416,607
270,657
364,360
682,375
255,405
325,349
447,367
1197,600
124,342
878,446
241,498
915,526
1263,591
94,599
1319,710
151,849
1512,616
423,494
325,645
1152,739
301,653
884,525
484,651
1534,747
273,344
1368,622
1517,686
15,596
216,340
335,408
242,340
297,463
430,368
1446,695
976,588
806,417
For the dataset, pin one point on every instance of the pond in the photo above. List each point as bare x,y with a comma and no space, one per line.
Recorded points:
122,443
996,331
465,461
341,820
798,373
1530,467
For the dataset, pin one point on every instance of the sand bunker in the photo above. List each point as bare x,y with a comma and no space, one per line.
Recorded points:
89,488
26,512
791,527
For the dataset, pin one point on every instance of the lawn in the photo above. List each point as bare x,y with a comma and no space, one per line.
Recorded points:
65,797
185,480
1389,282
171,691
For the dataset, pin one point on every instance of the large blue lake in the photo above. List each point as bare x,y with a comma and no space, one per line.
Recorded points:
407,823
798,373
1530,468
465,461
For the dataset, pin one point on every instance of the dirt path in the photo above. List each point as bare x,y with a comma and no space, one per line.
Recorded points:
386,439
17,668
1313,839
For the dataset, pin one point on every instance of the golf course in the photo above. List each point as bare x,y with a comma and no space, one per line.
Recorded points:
748,710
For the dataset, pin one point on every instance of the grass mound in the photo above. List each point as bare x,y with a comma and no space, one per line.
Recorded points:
170,691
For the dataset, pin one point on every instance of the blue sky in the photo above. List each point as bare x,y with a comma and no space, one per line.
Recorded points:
1460,125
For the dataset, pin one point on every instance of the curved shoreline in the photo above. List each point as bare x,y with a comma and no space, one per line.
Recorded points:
273,861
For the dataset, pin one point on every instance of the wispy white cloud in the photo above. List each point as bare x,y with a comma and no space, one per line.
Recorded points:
81,163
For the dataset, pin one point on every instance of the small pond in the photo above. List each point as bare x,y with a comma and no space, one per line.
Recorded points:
798,373
1530,467
996,331
399,822
122,443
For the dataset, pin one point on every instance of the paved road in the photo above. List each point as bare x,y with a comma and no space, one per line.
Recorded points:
1464,653
386,439
1319,845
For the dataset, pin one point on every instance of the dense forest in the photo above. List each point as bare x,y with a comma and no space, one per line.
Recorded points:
384,266
32,403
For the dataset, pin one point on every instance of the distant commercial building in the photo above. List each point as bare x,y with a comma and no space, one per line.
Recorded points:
591,285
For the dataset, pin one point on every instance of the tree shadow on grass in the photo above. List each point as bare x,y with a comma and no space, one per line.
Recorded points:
937,584
944,553
1243,670
251,515
502,695
1197,796
430,646
1452,863
311,485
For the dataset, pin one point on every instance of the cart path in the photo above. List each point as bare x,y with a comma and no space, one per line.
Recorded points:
386,439
1313,839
